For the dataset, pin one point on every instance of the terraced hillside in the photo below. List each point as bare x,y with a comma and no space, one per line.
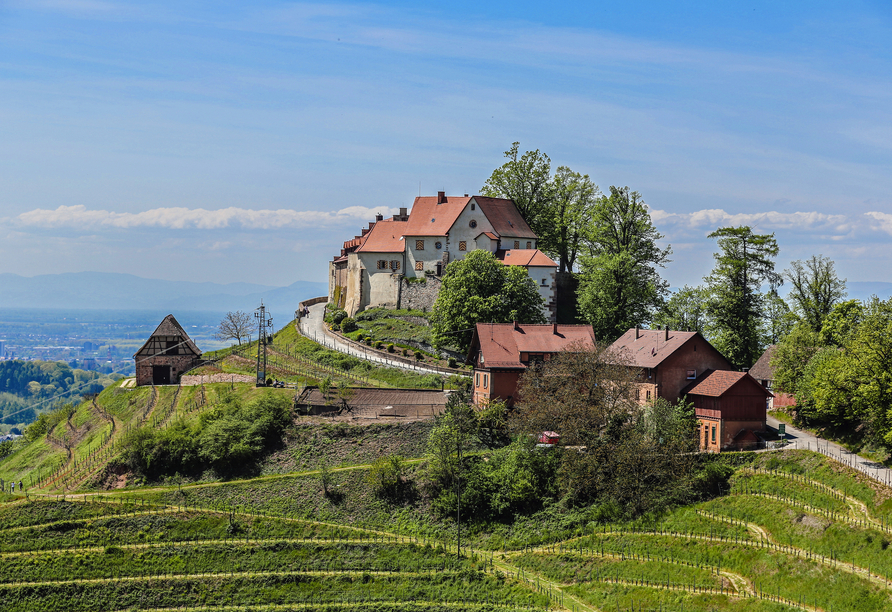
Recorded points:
795,531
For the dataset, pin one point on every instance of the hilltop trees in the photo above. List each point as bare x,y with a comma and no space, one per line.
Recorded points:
558,208
737,307
479,288
620,286
815,289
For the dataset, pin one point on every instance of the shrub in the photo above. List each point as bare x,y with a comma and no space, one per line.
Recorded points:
388,477
405,352
348,325
390,347
335,327
452,362
419,356
368,341
378,344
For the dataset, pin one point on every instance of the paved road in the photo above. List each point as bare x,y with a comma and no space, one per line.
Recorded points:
803,440
312,327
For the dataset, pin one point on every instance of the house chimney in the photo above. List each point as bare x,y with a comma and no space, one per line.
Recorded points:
379,217
667,333
637,332
441,197
554,329
516,326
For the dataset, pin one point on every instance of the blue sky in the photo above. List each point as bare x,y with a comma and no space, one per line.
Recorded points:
245,141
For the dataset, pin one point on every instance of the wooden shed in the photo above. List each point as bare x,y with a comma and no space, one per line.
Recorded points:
167,353
730,407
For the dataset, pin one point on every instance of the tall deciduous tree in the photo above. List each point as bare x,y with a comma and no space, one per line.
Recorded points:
685,310
620,285
235,326
815,289
480,288
745,262
558,208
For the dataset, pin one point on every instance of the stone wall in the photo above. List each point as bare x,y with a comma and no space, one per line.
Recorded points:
420,296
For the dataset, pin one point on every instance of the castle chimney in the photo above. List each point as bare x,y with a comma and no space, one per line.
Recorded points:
516,326
441,197
379,217
637,332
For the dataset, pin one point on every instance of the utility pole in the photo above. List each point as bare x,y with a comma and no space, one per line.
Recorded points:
263,323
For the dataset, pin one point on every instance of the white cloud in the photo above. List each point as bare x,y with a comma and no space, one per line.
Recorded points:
178,218
882,221
765,221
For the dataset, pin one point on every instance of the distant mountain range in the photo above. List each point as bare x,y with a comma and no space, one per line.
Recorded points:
110,291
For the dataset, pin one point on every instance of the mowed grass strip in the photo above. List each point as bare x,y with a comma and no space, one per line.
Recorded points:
357,588
169,526
223,558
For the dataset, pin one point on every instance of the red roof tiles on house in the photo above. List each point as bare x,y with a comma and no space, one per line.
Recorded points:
715,383
651,347
504,217
525,257
428,218
385,237
500,344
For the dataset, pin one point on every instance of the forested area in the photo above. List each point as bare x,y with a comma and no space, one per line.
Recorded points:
28,387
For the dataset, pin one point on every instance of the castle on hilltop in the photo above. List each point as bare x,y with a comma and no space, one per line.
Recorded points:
398,262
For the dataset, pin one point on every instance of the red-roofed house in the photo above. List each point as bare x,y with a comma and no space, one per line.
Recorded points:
730,406
669,360
371,268
501,352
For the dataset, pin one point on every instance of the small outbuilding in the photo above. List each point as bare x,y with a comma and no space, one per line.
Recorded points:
731,407
166,355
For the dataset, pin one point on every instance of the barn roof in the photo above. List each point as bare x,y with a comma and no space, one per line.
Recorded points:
762,369
716,383
500,344
648,348
169,326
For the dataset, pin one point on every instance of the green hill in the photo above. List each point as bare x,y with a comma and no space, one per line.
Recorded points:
298,523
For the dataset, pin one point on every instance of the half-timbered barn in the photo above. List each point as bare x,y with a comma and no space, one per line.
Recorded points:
167,353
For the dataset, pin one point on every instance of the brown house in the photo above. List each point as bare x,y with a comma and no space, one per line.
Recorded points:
166,354
763,371
501,352
730,408
668,360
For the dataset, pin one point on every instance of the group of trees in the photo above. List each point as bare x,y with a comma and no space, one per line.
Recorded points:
614,456
229,438
608,238
28,387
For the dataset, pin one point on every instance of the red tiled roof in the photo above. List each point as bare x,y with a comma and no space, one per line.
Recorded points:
385,237
427,218
501,344
489,235
525,257
651,346
715,383
355,242
504,217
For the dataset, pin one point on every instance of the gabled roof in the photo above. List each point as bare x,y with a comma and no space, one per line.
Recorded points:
385,237
504,217
489,235
169,326
500,344
715,383
427,218
650,347
525,257
762,369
